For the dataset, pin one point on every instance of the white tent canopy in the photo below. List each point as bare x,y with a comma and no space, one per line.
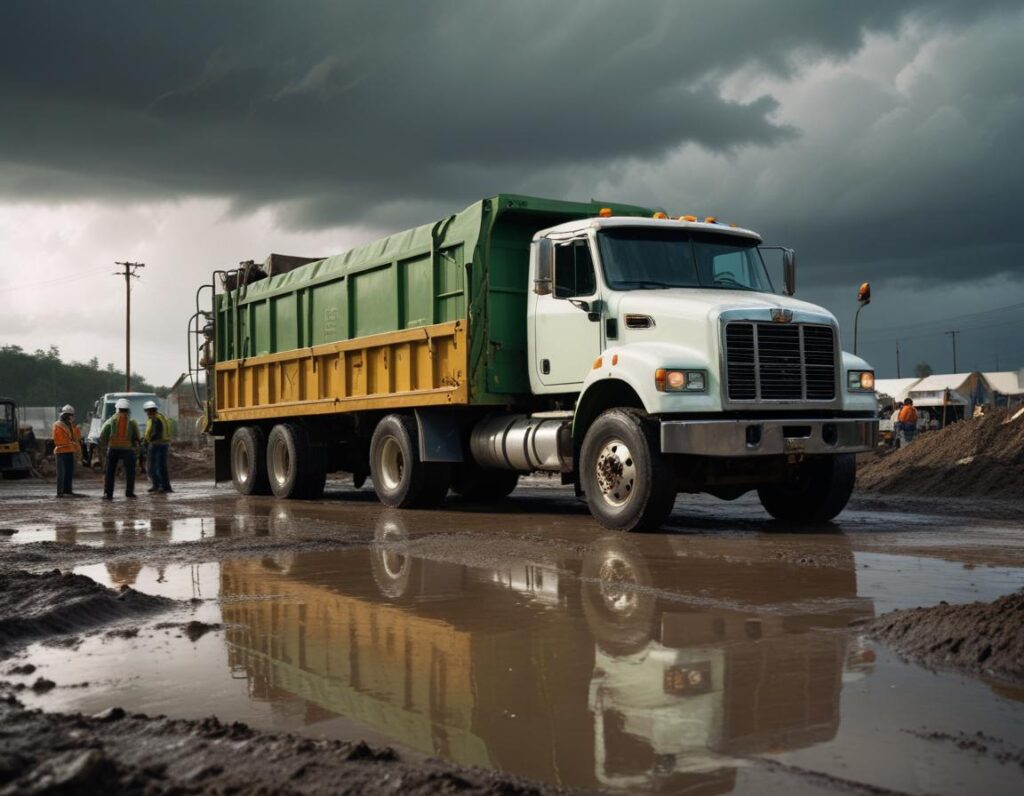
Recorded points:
896,389
930,391
1005,382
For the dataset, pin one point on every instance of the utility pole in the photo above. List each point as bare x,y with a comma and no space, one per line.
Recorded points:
953,335
129,274
898,359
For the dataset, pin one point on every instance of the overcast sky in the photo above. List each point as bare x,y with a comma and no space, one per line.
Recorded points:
883,140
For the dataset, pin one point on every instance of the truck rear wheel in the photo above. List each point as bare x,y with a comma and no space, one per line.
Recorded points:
473,482
400,479
629,484
249,461
295,468
820,491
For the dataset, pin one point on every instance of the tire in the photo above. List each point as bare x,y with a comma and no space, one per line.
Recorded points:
473,482
249,461
618,602
400,479
819,493
629,484
390,561
295,468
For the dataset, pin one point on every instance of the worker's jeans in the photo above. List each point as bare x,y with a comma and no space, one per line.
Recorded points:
158,467
908,433
65,471
115,455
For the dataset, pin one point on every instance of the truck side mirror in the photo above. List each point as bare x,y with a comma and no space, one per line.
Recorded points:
544,281
789,270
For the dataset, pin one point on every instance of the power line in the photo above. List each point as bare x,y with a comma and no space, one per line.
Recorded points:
52,281
946,319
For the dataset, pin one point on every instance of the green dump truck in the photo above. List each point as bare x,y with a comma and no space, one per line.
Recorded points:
637,355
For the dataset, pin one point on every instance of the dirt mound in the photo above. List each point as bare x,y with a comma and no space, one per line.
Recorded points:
189,462
984,638
981,457
57,603
113,752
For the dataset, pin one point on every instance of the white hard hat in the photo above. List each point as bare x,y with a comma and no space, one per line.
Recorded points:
150,405
122,403
67,410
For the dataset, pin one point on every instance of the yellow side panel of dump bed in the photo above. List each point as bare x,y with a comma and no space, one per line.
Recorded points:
423,366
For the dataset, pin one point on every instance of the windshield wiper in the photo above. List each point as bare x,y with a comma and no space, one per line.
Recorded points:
644,284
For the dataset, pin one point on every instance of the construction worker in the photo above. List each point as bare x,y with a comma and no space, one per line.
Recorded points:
157,441
908,421
121,437
67,446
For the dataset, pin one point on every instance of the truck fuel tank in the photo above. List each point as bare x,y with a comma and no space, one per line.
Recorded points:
524,443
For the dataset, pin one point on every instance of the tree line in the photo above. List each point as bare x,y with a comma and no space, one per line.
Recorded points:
41,378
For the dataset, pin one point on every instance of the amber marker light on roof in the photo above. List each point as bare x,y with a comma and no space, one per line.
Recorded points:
687,218
659,214
710,219
605,212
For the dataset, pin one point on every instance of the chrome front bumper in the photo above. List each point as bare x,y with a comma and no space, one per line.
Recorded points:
768,437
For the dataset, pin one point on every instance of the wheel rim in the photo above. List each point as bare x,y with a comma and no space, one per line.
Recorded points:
240,461
618,585
392,463
616,472
280,462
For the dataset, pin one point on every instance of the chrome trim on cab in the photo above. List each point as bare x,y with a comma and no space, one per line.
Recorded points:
801,320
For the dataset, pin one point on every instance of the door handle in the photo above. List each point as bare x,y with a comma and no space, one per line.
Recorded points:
545,366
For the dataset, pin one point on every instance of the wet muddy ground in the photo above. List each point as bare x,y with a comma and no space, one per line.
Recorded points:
726,654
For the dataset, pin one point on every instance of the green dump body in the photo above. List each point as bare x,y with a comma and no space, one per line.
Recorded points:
470,266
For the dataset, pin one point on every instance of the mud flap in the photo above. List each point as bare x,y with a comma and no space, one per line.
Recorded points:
440,437
221,459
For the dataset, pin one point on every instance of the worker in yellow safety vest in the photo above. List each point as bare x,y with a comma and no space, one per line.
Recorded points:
121,437
157,441
67,446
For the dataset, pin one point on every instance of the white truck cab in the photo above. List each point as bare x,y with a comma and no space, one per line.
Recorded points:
678,320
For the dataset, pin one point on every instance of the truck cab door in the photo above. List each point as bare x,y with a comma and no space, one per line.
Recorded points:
567,340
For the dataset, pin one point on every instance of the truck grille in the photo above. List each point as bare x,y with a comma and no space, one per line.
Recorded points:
776,362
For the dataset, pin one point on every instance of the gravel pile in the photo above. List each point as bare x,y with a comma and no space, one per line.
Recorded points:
981,638
981,457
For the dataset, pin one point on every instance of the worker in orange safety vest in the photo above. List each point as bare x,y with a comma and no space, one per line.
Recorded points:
121,436
67,446
908,421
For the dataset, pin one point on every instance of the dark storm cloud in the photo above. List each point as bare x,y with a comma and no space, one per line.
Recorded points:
338,112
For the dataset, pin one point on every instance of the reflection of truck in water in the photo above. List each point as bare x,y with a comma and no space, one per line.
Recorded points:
636,355
493,667
14,461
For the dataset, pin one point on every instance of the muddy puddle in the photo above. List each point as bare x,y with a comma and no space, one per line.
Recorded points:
665,663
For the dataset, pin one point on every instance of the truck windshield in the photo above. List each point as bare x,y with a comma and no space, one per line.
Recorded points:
644,258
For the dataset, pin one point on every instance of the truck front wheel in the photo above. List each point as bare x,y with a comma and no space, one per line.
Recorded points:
249,461
819,492
400,478
629,484
296,468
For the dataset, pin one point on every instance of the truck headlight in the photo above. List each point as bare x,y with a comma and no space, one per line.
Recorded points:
860,380
671,380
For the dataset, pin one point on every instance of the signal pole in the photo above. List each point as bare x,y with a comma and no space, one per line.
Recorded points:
128,273
898,359
953,335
